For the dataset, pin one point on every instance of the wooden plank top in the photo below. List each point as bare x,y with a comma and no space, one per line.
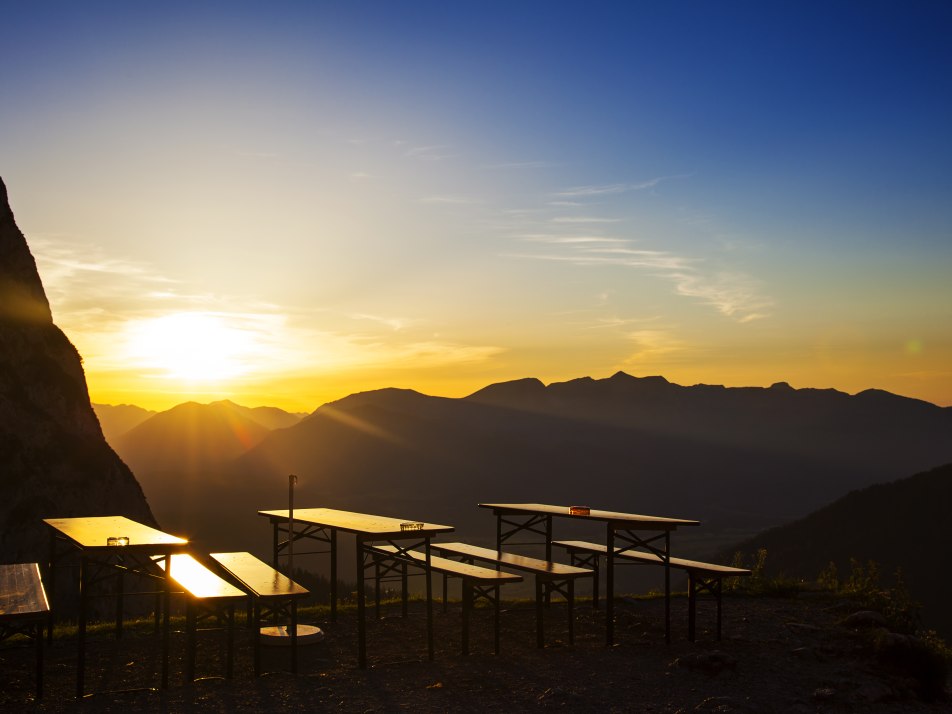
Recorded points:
198,580
622,520
92,532
683,563
454,567
21,591
520,562
361,523
258,576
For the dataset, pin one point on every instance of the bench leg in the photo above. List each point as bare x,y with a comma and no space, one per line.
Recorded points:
540,637
445,578
294,637
377,590
571,609
230,663
257,638
595,583
189,640
166,620
717,593
405,589
38,636
467,606
692,606
496,617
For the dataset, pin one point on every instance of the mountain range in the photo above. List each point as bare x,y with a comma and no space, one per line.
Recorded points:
739,459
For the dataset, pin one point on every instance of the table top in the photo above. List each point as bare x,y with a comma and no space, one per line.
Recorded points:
260,577
360,523
21,591
92,532
624,520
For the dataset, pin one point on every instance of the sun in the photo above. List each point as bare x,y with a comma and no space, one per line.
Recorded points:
191,347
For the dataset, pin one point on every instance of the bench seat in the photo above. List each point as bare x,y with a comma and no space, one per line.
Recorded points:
24,608
554,576
478,582
273,594
701,576
203,590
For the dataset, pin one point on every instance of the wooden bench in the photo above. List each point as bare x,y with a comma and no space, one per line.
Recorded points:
205,594
549,576
477,582
273,594
702,577
24,609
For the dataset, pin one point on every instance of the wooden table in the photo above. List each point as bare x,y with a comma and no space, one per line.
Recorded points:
24,608
89,537
623,533
323,524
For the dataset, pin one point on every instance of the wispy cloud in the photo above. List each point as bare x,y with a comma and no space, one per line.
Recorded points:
584,219
435,152
615,188
451,200
567,240
733,294
520,165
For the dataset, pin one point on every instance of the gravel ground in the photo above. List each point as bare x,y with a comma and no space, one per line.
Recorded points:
777,655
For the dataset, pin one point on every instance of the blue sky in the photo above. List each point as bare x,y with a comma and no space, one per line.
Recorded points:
441,195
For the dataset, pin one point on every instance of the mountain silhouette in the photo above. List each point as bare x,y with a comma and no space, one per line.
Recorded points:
179,454
117,420
739,459
190,437
901,524
54,461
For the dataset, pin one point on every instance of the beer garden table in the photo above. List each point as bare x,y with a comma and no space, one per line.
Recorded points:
97,541
623,532
323,524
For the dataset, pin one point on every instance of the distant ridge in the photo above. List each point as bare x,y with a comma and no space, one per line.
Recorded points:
901,524
54,461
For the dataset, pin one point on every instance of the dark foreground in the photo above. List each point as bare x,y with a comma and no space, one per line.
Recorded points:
777,655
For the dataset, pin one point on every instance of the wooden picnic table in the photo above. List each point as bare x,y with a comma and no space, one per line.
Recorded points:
624,532
24,608
92,538
323,525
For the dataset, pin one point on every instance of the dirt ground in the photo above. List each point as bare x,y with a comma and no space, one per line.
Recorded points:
777,655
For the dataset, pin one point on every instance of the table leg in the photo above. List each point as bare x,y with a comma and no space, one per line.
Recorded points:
334,575
540,637
692,604
610,589
361,631
51,586
81,634
166,618
120,587
667,587
429,603
274,545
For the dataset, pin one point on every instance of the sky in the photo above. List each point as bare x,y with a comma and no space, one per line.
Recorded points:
284,203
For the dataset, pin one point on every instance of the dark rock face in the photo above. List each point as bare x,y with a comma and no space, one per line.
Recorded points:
54,461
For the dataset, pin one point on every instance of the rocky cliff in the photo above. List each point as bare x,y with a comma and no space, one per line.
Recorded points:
54,461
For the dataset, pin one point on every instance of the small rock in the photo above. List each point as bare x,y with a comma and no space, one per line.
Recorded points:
865,619
717,704
824,694
711,662
805,653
